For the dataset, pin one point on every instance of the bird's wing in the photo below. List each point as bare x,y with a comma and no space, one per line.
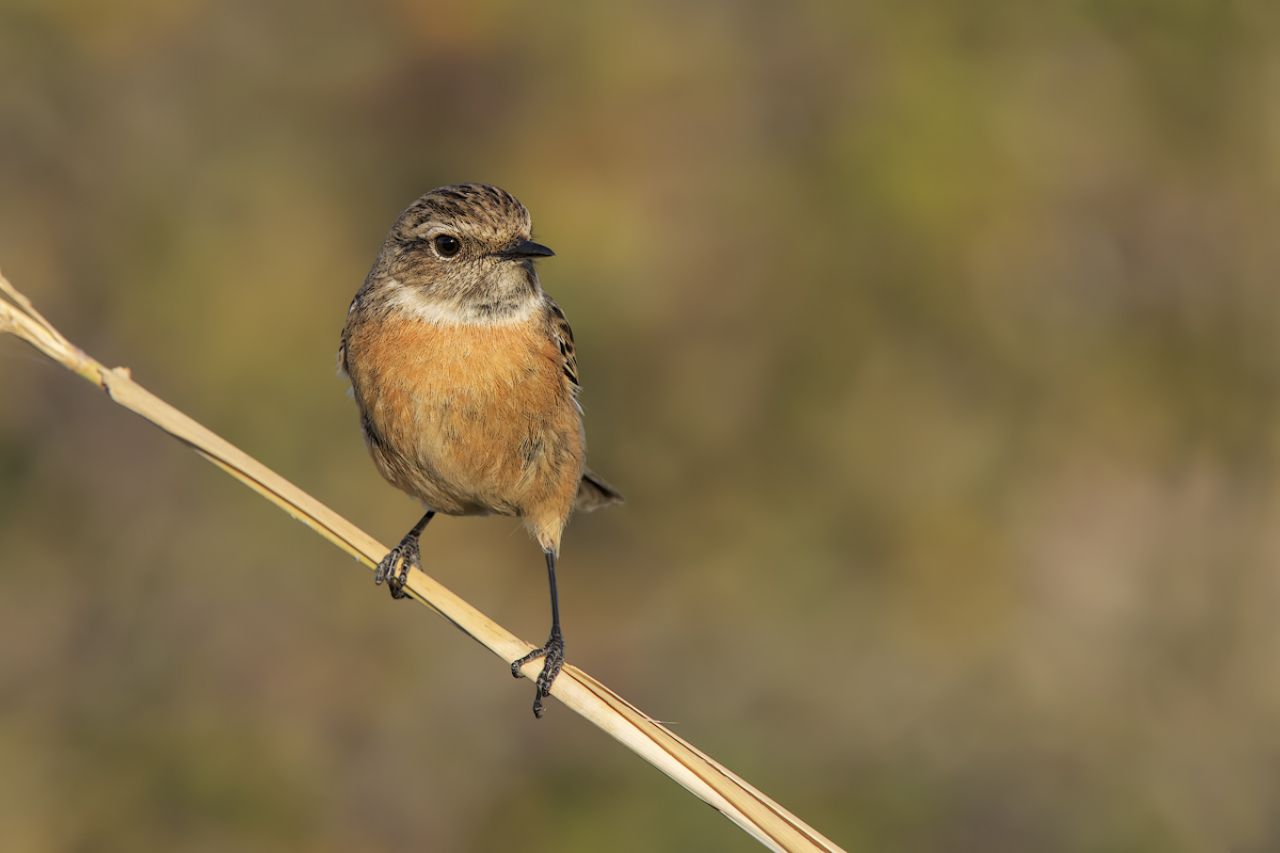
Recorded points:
563,336
342,344
593,492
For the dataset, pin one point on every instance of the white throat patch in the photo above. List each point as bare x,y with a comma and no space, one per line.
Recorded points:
413,303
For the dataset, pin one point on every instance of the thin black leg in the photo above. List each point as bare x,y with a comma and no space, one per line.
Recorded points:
403,557
553,651
555,596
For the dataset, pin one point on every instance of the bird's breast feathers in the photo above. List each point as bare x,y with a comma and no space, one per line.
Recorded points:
468,416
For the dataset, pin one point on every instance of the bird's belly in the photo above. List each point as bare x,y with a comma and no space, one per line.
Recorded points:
468,419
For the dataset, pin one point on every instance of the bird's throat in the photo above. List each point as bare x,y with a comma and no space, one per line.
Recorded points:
479,310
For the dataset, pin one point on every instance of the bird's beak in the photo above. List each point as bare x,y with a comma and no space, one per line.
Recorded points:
526,249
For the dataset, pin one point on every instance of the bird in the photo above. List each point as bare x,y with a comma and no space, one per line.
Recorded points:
465,376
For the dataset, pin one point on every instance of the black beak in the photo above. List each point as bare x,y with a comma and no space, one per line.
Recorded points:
527,249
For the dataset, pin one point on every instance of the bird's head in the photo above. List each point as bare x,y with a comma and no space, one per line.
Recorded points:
461,253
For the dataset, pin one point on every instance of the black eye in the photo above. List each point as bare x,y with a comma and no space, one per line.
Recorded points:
447,245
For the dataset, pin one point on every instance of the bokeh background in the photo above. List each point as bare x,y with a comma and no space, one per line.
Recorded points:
933,344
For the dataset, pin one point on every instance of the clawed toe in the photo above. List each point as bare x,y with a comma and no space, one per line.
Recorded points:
394,568
553,652
517,665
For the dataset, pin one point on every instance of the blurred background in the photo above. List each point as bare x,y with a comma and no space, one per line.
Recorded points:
932,344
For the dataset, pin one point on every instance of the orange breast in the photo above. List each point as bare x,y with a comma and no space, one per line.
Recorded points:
468,418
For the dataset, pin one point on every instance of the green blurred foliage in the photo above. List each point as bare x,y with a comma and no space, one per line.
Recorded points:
933,344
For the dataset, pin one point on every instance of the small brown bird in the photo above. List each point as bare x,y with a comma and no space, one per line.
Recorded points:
464,373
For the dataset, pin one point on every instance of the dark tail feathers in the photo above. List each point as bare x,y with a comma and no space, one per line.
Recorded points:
594,493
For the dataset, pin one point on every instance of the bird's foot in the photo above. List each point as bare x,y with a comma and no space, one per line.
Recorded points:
394,568
553,652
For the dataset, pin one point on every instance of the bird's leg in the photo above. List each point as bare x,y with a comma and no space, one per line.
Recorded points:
553,651
406,555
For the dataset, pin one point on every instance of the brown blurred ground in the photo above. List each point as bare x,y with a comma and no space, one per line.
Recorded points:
933,344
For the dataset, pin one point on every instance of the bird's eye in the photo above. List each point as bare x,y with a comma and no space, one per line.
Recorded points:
447,245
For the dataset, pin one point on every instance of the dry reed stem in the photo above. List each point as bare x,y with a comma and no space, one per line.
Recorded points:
706,778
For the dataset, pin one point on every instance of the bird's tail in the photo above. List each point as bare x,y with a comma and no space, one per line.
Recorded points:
594,493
